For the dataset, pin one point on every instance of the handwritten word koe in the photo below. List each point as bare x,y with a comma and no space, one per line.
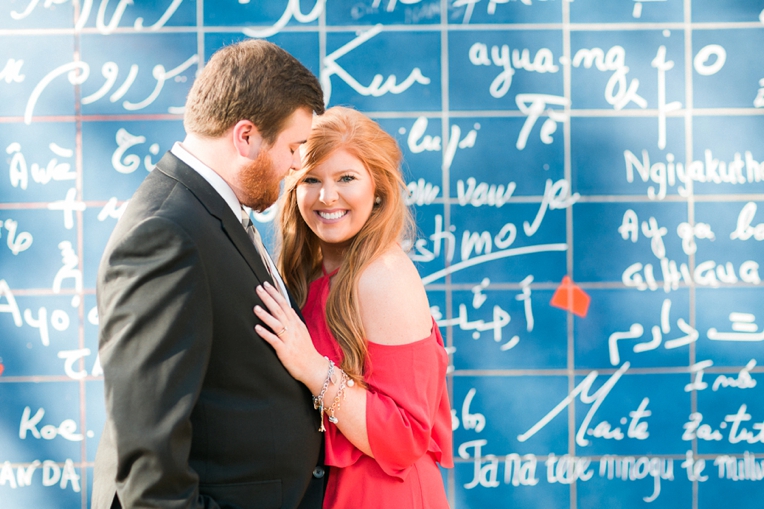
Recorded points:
66,430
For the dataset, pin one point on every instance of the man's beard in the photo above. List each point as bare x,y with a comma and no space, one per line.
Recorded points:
259,183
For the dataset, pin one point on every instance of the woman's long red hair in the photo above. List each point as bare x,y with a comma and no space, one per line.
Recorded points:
390,222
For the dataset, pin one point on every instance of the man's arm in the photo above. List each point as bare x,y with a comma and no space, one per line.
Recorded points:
155,339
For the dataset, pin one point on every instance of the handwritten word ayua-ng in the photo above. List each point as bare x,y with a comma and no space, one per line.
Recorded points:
52,474
542,62
708,171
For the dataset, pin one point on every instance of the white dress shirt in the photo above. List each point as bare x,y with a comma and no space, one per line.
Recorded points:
225,191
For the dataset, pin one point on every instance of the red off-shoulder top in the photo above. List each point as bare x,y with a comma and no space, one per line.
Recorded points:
408,418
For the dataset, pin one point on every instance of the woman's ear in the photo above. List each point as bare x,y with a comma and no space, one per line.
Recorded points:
246,139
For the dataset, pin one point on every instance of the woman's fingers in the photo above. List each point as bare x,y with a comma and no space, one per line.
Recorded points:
268,319
270,302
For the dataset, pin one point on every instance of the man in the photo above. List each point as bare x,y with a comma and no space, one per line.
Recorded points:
200,412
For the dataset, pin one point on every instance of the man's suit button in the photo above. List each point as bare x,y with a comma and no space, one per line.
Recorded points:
318,472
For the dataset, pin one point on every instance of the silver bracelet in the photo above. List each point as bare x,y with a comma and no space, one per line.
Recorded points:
318,401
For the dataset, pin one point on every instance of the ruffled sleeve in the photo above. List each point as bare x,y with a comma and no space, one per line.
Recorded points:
407,409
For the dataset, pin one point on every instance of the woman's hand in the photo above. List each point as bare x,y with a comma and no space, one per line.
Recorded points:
290,338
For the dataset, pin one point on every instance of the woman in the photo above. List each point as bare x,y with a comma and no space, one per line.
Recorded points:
371,353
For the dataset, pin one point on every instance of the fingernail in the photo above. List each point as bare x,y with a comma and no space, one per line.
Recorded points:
267,284
258,308
259,288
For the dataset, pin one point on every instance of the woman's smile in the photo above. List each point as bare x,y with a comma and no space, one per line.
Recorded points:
332,215
336,198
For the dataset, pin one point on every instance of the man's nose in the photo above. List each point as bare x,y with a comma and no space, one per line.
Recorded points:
296,161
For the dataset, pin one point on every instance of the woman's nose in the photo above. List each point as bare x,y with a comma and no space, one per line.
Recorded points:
328,194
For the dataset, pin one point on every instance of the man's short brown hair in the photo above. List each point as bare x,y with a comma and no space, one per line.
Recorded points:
251,80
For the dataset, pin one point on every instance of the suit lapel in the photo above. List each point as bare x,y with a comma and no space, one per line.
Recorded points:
216,206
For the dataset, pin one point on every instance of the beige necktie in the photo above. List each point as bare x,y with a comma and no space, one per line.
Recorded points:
254,235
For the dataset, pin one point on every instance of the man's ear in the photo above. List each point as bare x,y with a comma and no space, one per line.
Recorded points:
246,139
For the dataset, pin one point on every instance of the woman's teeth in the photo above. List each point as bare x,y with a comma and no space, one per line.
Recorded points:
332,215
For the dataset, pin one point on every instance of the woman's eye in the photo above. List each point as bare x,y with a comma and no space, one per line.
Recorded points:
310,180
347,178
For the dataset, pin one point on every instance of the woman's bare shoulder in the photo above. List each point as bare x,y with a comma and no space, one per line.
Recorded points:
393,302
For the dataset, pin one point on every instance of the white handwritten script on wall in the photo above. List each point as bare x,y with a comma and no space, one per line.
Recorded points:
586,179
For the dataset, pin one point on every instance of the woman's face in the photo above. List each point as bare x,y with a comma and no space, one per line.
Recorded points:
336,198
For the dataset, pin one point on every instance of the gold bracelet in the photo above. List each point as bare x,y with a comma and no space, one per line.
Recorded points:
345,381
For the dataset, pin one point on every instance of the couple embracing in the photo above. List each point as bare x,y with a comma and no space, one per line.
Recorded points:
237,380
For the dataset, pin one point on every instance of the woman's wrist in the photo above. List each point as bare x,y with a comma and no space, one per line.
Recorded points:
317,373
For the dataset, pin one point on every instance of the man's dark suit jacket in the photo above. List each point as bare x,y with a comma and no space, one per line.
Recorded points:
200,411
